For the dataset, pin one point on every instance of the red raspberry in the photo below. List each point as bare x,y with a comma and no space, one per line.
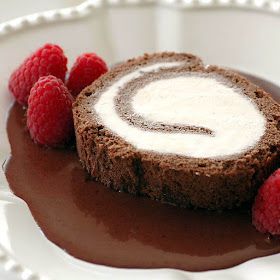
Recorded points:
86,69
49,113
48,60
266,209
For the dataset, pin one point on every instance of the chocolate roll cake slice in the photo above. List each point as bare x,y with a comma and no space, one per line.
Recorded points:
165,126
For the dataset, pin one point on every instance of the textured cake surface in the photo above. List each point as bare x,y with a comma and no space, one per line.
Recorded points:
165,126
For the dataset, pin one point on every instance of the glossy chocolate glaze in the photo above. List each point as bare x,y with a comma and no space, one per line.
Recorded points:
99,225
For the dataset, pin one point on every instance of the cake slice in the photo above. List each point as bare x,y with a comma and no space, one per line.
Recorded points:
165,126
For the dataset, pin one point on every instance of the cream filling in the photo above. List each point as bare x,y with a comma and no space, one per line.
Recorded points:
195,101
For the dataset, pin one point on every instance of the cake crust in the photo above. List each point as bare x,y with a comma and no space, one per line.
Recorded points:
212,183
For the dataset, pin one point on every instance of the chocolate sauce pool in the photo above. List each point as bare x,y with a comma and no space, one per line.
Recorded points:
98,225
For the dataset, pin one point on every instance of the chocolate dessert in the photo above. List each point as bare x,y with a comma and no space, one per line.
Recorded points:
178,115
101,226
167,127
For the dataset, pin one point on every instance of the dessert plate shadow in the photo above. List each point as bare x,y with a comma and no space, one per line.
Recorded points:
230,33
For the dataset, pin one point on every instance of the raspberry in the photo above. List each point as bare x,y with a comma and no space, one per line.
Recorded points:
49,113
48,60
86,69
266,209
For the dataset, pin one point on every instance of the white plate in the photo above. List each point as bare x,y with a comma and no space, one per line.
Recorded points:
241,34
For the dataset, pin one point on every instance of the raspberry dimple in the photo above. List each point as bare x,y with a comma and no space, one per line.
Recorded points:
86,69
47,60
266,209
49,113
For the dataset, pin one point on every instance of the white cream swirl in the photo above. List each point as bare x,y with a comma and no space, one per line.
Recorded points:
192,100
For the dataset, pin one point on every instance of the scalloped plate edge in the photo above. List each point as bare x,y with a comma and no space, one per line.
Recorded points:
8,262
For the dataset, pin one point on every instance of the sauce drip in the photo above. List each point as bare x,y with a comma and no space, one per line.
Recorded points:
96,224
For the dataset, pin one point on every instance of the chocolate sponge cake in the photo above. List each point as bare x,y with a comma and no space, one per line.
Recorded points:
165,126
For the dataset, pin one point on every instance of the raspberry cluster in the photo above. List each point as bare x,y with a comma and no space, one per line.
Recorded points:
38,84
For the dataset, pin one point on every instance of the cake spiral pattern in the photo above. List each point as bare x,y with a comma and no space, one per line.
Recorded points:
165,126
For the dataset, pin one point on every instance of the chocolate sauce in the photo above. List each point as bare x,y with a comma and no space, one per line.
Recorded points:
96,224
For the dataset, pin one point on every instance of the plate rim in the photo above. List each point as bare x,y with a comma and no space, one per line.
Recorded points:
8,262
87,7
